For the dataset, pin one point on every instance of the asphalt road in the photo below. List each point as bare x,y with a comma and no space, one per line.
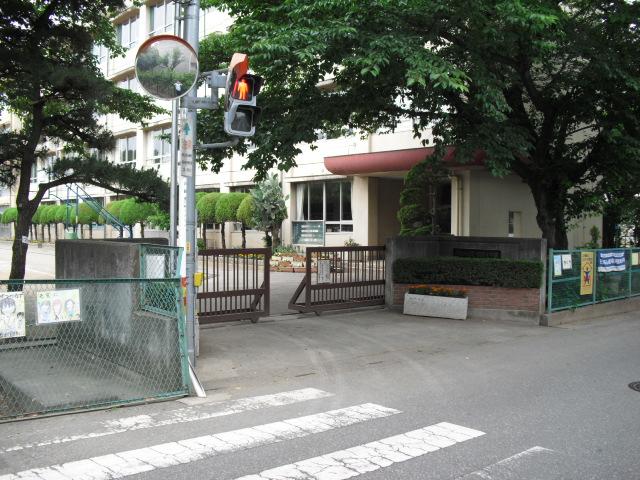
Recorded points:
407,398
40,261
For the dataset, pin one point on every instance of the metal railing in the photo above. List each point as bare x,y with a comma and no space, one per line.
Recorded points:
341,277
235,284
79,344
577,278
96,206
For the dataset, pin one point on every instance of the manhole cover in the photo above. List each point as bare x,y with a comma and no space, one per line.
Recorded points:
635,386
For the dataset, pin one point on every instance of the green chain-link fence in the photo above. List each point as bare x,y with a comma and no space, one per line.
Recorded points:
71,344
159,261
577,278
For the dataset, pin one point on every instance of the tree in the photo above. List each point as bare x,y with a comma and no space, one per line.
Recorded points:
9,216
245,215
50,80
60,216
35,221
114,208
48,217
227,210
133,211
199,195
418,214
270,209
206,207
547,90
159,218
87,216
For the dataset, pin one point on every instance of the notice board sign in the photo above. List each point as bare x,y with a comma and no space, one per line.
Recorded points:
307,232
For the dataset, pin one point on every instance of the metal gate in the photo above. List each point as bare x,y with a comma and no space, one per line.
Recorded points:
341,277
235,284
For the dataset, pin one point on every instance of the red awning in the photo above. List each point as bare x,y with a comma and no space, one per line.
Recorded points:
390,161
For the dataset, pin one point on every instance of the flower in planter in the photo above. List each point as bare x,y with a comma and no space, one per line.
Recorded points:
437,291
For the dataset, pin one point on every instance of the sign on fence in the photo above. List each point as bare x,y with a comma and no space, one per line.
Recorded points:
308,232
611,262
12,322
586,273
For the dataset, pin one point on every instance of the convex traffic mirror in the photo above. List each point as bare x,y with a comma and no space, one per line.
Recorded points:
166,67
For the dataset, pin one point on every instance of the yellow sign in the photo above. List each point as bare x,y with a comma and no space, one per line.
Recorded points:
586,273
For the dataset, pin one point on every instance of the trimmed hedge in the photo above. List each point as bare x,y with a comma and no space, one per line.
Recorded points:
492,272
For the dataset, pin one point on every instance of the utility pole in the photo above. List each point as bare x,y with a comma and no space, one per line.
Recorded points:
173,183
187,237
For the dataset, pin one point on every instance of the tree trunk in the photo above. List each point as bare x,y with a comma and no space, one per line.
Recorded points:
42,233
26,209
244,236
610,219
550,200
91,231
141,229
82,231
49,231
204,235
224,240
55,230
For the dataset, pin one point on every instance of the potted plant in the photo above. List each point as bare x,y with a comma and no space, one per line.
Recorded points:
434,301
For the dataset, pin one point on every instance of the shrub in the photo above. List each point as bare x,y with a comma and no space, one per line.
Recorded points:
437,291
494,272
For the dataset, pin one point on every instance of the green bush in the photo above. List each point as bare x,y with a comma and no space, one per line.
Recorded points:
494,272
10,215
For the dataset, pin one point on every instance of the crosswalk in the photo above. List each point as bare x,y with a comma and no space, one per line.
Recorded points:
354,461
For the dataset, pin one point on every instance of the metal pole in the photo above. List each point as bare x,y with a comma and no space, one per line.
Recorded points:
173,185
191,36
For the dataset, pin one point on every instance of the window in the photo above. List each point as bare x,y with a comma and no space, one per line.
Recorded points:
129,83
127,32
328,201
159,147
101,53
127,150
34,172
514,224
161,18
242,188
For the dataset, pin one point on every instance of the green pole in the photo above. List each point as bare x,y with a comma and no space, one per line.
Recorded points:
595,276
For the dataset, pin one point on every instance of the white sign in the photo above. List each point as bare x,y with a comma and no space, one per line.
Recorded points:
557,265
58,306
186,147
324,271
566,262
12,323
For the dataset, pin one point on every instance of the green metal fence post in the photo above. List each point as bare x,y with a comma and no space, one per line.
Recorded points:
550,282
594,276
630,267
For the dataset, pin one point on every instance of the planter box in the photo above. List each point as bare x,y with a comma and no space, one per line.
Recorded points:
434,306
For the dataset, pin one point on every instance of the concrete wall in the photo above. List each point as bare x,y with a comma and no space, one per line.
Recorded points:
114,325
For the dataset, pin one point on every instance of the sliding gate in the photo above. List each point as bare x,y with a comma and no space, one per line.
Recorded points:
235,284
341,277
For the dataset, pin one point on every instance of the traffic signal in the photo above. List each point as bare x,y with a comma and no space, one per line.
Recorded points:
241,114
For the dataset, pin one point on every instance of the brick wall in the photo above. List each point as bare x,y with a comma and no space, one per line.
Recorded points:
527,299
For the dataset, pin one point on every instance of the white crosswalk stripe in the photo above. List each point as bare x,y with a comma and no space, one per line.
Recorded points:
141,460
184,415
372,456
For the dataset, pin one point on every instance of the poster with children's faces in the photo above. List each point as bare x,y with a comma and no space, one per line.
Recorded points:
58,306
12,323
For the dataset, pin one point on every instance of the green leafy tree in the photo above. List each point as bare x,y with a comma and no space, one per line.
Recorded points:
87,216
206,207
133,211
245,215
547,90
48,218
159,218
227,210
50,80
419,212
35,221
199,195
270,209
60,216
9,216
114,208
